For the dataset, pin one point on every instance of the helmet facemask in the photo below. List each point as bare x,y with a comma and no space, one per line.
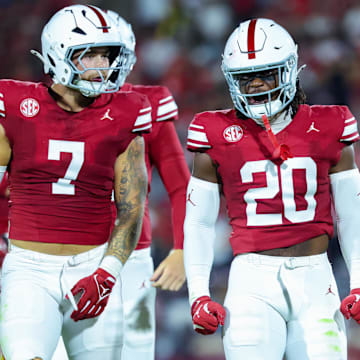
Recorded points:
103,84
270,102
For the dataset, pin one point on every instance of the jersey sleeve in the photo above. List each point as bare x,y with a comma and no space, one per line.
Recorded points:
2,105
350,132
142,123
165,107
8,89
197,140
168,156
162,102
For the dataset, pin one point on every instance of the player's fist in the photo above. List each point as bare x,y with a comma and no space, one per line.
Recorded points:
350,306
96,290
207,315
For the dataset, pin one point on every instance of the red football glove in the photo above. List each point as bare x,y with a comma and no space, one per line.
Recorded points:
207,315
96,290
350,306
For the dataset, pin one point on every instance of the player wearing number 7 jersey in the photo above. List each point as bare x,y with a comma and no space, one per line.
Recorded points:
276,160
66,147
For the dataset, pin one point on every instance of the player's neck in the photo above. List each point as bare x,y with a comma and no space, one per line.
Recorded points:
69,99
281,121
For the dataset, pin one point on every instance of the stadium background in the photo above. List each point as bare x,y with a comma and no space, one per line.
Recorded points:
179,44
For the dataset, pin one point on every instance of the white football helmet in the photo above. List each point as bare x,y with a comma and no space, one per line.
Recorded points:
74,28
128,38
260,45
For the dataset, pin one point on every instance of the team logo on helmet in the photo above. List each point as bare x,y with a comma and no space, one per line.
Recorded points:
29,107
233,133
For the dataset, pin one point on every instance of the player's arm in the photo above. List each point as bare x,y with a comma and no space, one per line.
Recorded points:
130,187
345,185
5,152
202,208
167,155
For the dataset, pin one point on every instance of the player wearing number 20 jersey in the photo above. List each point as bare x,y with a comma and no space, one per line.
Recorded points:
279,204
62,167
280,164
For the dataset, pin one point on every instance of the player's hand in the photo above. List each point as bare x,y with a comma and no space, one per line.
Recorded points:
96,290
350,306
207,315
170,274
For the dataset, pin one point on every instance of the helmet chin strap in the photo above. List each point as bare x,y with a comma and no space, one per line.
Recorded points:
281,150
41,58
87,88
257,111
38,55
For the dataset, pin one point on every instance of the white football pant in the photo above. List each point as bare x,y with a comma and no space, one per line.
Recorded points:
34,311
280,306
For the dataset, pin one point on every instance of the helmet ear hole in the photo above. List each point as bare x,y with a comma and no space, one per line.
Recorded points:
51,60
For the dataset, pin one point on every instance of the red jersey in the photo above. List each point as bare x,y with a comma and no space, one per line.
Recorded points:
164,151
4,205
62,167
271,203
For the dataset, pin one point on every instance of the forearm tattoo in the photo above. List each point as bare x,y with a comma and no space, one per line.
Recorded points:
132,190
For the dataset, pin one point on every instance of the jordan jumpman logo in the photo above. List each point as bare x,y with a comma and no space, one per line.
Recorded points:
313,128
107,116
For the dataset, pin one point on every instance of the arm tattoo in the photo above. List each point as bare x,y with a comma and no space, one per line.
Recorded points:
130,196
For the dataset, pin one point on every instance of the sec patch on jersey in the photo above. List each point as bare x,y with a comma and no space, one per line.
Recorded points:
233,133
29,107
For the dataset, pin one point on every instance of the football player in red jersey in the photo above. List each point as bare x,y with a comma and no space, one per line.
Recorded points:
278,163
163,151
66,147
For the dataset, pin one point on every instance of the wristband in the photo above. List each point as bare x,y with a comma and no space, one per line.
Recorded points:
112,265
355,274
2,172
198,287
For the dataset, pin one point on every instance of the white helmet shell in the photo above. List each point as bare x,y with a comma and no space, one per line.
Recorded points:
74,28
128,38
259,45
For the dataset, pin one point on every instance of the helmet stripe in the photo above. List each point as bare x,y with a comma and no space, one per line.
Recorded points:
104,25
251,39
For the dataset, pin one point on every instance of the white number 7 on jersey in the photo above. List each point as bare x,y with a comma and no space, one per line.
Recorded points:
76,148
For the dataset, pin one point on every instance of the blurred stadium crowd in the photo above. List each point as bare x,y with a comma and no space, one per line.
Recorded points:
179,44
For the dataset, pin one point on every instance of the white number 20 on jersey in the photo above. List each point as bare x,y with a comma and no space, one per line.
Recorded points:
76,148
274,179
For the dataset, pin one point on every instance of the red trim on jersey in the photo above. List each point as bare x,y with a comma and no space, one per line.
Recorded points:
104,25
251,39
197,142
353,137
170,114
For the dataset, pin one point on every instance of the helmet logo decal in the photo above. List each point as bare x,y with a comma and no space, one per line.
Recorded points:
233,133
104,25
29,107
251,39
